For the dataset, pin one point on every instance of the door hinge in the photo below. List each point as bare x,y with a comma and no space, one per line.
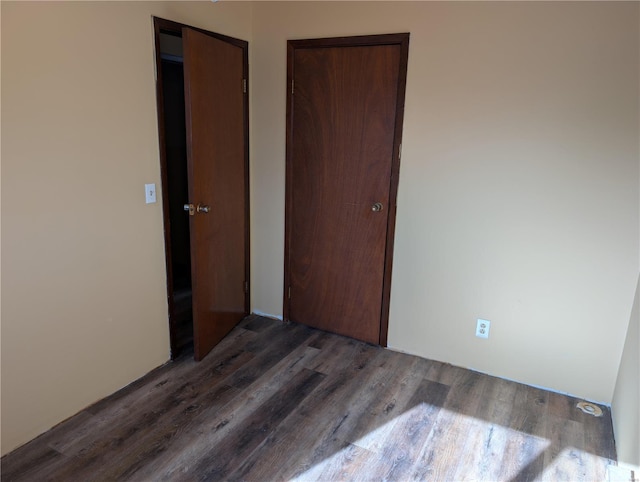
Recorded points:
292,81
246,286
289,292
399,151
244,86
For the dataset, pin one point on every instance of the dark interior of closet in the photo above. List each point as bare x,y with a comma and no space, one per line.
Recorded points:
175,145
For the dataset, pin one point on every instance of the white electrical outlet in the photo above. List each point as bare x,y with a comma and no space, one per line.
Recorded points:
482,328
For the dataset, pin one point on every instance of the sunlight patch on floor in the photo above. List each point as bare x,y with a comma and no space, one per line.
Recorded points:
436,444
575,464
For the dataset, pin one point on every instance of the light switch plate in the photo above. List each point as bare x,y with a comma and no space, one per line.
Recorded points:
150,193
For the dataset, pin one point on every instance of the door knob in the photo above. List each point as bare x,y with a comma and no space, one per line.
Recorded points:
190,208
203,208
377,207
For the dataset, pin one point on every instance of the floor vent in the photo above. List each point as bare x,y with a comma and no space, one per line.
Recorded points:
590,408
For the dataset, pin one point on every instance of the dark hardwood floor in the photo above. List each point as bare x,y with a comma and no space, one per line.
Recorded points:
276,401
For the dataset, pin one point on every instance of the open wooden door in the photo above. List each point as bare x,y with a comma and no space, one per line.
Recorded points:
215,91
344,123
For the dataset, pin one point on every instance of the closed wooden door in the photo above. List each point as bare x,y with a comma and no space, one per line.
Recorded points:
344,126
217,172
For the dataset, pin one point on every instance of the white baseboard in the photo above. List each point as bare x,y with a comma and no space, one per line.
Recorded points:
266,315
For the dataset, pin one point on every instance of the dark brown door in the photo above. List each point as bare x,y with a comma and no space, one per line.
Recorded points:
344,124
216,155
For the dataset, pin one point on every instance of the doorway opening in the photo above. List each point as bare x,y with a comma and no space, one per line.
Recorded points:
177,191
203,126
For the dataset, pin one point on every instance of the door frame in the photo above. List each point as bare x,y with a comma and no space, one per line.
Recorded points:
169,26
401,39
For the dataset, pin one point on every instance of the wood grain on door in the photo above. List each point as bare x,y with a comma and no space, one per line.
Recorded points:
344,123
216,157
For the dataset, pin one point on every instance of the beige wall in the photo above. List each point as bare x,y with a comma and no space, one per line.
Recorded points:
518,195
83,280
625,407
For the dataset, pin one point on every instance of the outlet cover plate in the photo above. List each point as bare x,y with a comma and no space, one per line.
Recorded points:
482,328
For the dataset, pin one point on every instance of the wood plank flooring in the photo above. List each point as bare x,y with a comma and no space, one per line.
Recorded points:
281,401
